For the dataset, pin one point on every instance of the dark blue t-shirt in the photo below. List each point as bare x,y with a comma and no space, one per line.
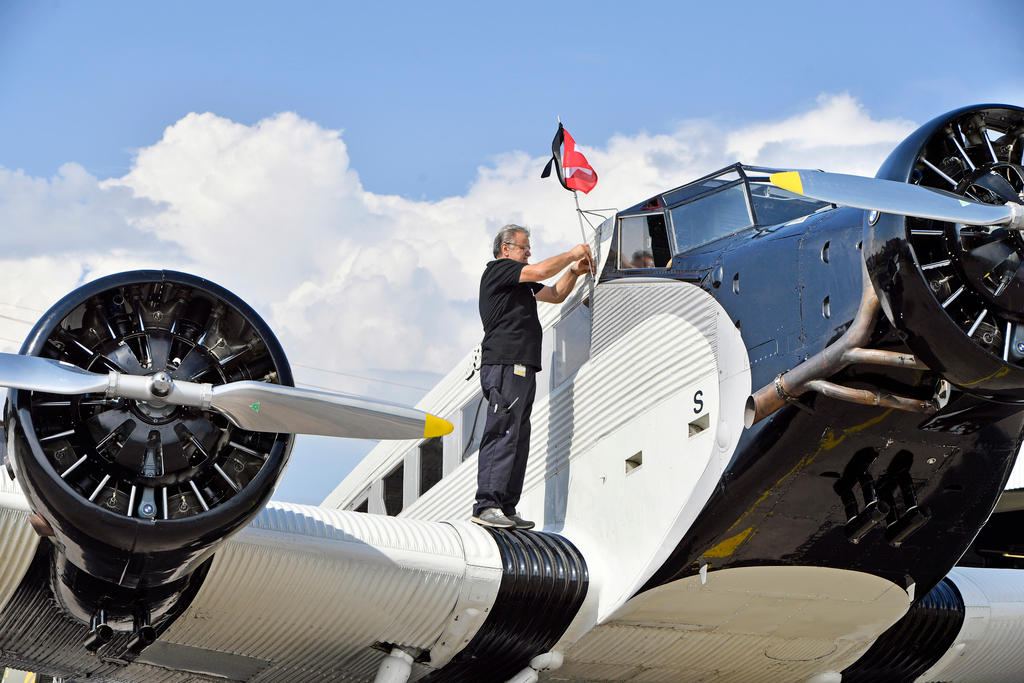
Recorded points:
508,311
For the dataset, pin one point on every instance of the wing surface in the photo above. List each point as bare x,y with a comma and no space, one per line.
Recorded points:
306,593
302,593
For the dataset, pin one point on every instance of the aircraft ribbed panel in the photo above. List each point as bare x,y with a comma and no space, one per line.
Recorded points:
342,525
8,485
989,648
17,548
18,542
623,305
645,380
614,387
311,590
620,387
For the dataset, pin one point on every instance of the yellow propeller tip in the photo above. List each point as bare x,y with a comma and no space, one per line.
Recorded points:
435,426
788,180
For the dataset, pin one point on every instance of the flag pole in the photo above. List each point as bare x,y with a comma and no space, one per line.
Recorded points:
593,266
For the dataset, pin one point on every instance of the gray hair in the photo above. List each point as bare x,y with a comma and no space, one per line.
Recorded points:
507,234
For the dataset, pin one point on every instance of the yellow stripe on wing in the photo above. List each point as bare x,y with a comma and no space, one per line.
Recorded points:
788,180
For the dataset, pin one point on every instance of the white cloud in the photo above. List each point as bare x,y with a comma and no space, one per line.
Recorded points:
349,279
839,135
70,212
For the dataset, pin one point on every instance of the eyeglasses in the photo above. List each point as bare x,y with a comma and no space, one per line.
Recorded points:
513,244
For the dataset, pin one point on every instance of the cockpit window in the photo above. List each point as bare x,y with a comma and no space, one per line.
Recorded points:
711,216
643,242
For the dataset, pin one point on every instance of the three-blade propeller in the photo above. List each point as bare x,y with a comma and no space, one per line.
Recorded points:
256,406
888,196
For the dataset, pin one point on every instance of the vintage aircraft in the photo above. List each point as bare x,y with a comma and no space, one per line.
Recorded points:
761,445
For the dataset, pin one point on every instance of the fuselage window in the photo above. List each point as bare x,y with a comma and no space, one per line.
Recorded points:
643,242
711,217
431,463
393,484
360,503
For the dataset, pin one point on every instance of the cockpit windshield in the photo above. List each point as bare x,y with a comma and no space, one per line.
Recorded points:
711,216
773,205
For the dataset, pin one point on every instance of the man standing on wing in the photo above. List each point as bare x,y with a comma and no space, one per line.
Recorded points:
509,291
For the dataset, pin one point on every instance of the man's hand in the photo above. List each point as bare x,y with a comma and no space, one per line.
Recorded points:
556,264
581,267
581,251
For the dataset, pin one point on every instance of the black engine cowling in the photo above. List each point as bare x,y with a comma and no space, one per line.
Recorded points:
954,292
140,495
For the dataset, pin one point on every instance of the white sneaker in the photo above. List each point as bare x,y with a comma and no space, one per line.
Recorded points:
493,517
520,522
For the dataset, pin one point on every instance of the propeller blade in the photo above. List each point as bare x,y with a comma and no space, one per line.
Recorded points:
47,375
256,406
263,407
888,196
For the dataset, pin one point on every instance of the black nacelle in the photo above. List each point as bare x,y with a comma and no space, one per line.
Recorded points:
955,292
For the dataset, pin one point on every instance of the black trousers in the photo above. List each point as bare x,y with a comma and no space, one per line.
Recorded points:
505,445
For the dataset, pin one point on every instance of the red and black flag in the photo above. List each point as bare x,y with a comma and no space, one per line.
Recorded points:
571,166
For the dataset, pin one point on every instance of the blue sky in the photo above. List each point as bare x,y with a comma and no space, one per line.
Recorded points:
425,92
367,152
